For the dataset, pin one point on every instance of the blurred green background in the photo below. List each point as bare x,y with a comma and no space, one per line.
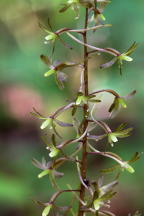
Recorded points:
23,86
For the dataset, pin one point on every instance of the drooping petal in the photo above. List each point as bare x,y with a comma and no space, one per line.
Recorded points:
49,73
46,123
47,210
44,173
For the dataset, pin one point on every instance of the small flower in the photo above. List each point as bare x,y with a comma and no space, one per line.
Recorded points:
97,12
47,123
124,57
97,17
51,37
103,193
56,68
119,58
123,165
51,124
74,4
127,167
97,204
47,167
119,133
54,151
81,99
112,138
119,102
60,77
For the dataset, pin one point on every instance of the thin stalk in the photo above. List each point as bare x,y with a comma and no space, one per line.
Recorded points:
110,51
106,90
63,30
85,110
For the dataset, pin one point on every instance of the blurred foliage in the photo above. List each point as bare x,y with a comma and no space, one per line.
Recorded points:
21,43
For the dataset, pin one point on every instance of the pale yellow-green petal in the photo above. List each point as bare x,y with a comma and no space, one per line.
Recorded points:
54,152
97,204
50,72
44,173
46,210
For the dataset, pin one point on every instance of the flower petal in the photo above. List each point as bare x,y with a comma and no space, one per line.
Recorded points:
46,210
43,173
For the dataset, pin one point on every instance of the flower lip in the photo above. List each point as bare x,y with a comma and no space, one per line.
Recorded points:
125,57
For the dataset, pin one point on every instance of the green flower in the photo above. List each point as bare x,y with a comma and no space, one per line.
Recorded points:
51,146
97,12
55,69
97,17
51,37
47,167
50,122
47,123
123,165
97,204
120,102
116,105
120,57
53,150
102,193
119,133
124,57
127,167
81,99
112,138
74,4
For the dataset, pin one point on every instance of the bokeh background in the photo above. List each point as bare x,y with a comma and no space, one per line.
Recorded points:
23,86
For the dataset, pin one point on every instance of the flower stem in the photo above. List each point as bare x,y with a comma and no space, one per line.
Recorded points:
85,110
